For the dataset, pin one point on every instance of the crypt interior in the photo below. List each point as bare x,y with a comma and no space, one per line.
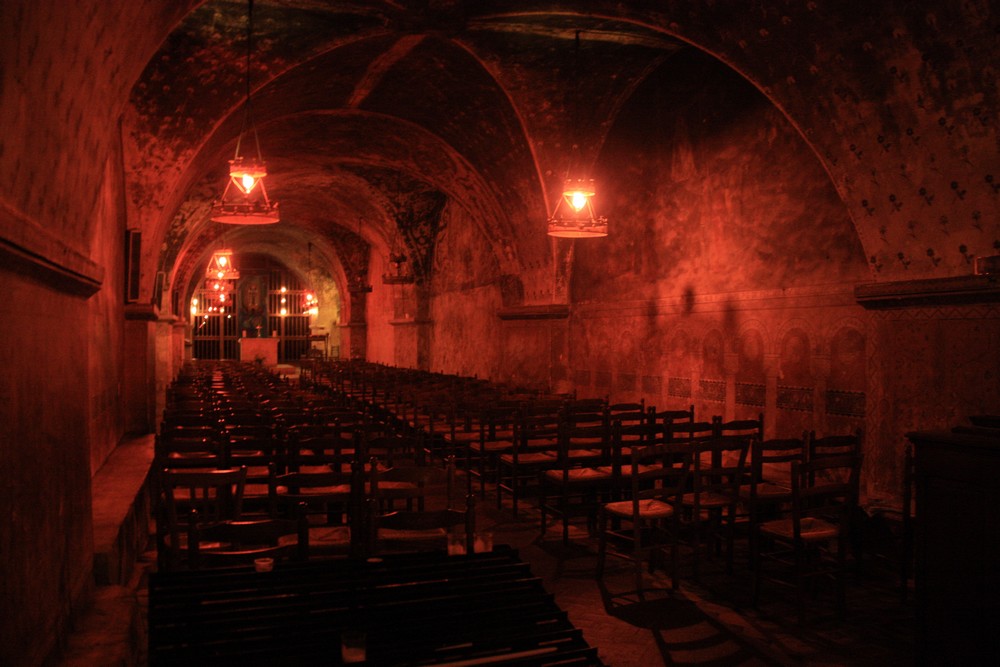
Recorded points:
802,202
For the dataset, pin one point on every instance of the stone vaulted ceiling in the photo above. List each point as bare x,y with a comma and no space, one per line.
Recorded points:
374,116
368,111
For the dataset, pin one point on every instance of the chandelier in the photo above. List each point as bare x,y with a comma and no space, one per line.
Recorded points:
221,266
574,216
244,200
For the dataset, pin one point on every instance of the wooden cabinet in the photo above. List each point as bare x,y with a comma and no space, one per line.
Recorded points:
957,544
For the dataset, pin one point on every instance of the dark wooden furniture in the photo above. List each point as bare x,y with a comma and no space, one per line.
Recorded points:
957,541
426,608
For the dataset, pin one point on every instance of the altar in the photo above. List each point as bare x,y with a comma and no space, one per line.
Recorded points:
263,349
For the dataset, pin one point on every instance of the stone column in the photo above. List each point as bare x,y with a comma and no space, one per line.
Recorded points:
354,334
139,390
772,367
821,380
731,365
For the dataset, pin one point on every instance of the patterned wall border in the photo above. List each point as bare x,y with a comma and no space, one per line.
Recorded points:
795,398
971,312
748,393
849,403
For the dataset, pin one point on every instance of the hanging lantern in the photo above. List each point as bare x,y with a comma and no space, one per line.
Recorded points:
221,266
574,216
244,200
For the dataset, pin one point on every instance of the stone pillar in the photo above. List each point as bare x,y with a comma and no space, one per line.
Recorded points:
772,367
731,365
425,326
354,334
166,365
821,380
140,375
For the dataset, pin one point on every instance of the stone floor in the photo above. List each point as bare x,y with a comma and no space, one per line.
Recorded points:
709,623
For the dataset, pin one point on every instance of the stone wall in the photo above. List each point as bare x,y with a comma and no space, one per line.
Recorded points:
46,543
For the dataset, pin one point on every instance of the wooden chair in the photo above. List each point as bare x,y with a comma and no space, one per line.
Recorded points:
334,504
412,484
813,542
322,453
188,452
256,455
577,480
242,542
214,495
835,445
536,438
495,438
768,492
649,519
420,530
712,503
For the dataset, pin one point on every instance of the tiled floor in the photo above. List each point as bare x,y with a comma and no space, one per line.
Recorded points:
708,624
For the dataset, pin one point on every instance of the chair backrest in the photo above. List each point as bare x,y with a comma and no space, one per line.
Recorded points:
213,495
827,488
718,465
185,452
395,448
436,525
583,431
750,429
690,432
217,495
671,417
335,452
849,444
659,471
771,460
628,412
834,445
242,542
537,428
497,419
413,483
317,490
251,452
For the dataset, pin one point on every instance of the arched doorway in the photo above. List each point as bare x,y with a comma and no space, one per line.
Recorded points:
267,300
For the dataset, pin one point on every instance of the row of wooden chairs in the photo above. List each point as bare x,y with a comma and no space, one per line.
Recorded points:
203,518
797,504
562,451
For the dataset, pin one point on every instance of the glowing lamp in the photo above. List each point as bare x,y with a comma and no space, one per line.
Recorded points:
574,217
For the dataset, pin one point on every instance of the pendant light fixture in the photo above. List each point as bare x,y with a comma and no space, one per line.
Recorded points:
244,200
221,266
574,216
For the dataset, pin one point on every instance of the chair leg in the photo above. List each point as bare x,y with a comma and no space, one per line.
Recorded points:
730,538
637,555
695,545
674,560
602,541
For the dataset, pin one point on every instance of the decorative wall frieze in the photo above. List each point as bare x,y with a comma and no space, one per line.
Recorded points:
795,398
848,403
748,393
932,291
